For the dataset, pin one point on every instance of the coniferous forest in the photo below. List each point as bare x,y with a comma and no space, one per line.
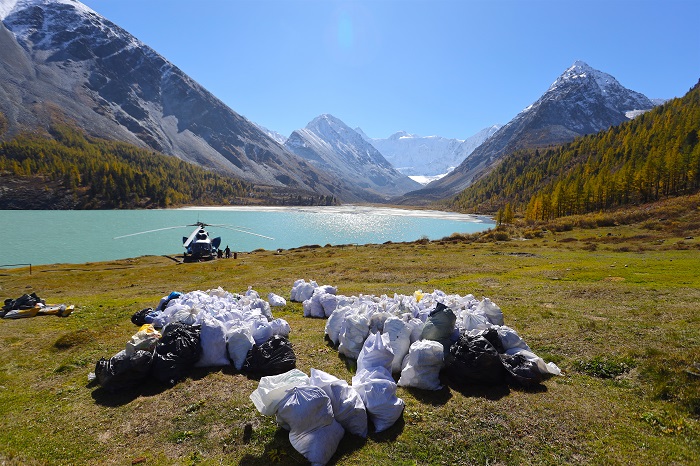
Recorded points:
654,156
96,173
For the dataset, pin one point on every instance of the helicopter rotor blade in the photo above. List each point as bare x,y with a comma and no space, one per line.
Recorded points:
223,225
149,231
243,231
198,225
191,237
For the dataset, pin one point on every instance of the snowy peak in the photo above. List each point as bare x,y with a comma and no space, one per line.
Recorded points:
589,83
330,127
401,134
7,7
430,156
580,71
65,25
581,101
331,145
60,59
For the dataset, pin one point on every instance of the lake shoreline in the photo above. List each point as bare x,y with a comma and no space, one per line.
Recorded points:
79,236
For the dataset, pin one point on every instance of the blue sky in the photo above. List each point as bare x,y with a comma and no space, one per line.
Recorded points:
440,67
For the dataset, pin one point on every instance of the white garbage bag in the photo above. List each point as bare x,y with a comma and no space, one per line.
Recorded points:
262,306
329,302
510,338
218,292
260,329
375,352
313,308
326,289
492,312
239,340
348,408
377,389
273,388
213,340
307,413
423,364
416,325
399,334
280,327
473,321
335,322
353,332
276,300
295,289
251,293
185,314
301,291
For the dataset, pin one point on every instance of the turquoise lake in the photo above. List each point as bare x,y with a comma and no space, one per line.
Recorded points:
79,236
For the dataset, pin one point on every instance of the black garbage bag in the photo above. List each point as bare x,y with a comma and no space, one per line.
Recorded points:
492,336
274,356
123,371
139,317
521,370
176,352
440,325
474,359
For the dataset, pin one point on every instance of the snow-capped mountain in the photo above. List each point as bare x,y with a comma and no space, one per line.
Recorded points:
277,137
329,144
427,156
61,60
580,101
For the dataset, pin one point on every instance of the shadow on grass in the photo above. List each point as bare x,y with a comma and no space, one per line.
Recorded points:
489,391
277,451
431,397
123,396
494,391
280,451
537,388
147,387
389,435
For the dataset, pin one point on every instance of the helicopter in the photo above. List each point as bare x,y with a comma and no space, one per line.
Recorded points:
199,246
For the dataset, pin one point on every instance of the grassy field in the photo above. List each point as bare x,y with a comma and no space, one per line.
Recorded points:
617,308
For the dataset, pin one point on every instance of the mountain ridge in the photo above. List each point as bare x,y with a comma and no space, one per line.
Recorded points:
643,160
328,143
574,105
62,60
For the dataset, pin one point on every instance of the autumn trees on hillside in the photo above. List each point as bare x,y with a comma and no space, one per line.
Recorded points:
656,155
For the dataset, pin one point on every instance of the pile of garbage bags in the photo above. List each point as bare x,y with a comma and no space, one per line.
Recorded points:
31,305
212,328
317,301
427,333
318,410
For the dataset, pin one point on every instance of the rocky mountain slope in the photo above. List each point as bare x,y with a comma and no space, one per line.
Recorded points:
580,101
59,60
329,144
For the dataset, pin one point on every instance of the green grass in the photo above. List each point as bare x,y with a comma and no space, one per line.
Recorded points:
622,321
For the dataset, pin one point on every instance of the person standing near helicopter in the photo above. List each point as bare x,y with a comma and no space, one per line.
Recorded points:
227,252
